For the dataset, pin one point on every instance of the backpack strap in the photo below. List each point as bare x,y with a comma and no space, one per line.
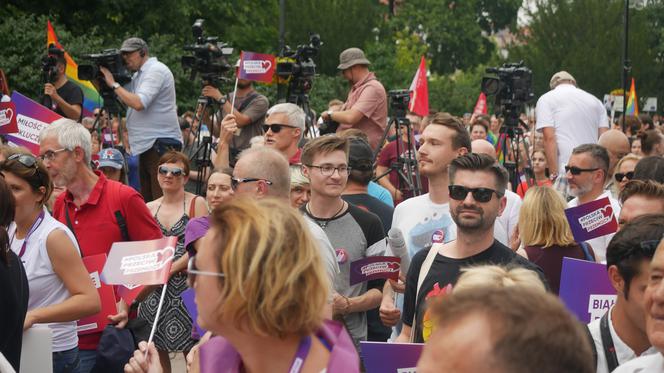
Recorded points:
592,344
119,218
586,251
424,270
247,101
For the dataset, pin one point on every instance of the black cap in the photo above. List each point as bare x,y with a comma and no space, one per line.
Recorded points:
360,156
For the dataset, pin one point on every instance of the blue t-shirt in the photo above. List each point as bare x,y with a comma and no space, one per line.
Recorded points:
377,191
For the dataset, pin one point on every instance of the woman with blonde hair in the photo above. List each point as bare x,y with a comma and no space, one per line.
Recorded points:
261,288
494,275
624,171
546,235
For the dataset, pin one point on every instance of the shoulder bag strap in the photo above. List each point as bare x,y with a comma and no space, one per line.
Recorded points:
71,227
607,342
424,270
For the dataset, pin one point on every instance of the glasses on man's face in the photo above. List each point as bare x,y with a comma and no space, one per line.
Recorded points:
50,155
276,128
577,171
192,272
482,195
328,169
619,176
174,171
235,182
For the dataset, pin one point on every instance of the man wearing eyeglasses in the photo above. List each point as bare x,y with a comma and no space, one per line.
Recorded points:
586,172
353,232
284,128
477,198
620,335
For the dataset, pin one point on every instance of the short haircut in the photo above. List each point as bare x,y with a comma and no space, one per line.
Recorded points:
598,153
362,177
650,168
7,208
461,139
529,329
626,250
645,188
173,156
294,113
275,283
324,145
499,276
649,139
480,162
70,135
542,219
353,133
486,128
268,163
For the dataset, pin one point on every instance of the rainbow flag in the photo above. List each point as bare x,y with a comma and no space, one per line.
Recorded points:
632,103
91,98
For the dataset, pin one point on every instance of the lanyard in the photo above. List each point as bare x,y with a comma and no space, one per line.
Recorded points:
32,230
301,355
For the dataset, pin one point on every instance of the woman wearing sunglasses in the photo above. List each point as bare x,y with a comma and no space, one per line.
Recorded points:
261,288
624,171
172,212
59,285
546,235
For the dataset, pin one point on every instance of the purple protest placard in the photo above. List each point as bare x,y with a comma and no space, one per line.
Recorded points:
373,267
190,304
592,219
585,289
380,357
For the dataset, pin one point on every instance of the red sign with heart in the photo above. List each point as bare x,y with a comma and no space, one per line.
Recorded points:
8,118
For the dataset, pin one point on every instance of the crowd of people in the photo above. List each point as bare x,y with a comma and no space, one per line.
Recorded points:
269,222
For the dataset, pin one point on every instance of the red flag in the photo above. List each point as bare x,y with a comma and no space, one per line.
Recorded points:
256,66
419,91
140,262
480,106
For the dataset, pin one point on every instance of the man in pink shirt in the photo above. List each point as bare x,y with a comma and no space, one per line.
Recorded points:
366,105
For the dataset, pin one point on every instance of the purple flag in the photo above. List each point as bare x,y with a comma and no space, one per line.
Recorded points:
374,267
382,357
592,219
585,289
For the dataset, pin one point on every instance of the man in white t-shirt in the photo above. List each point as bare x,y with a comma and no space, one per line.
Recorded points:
586,172
568,116
426,219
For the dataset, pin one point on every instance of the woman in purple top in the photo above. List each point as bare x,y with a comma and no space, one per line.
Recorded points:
218,191
546,235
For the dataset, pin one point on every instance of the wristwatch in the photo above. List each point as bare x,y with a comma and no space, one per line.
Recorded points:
116,85
222,100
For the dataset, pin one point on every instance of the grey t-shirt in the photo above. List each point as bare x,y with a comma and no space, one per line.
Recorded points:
256,110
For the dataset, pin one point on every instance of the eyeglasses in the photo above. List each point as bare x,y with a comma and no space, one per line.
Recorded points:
26,160
51,154
237,181
619,175
192,272
175,171
482,195
328,169
577,171
276,128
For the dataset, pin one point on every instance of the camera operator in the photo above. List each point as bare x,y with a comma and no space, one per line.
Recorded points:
61,95
152,119
249,113
366,105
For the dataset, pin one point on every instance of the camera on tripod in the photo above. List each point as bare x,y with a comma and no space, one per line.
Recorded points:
298,67
110,59
513,88
399,102
50,63
209,56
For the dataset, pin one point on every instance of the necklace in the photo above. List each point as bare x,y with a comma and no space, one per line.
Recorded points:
323,222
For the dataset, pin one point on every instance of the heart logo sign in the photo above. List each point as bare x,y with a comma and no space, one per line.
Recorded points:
257,66
6,116
148,262
607,211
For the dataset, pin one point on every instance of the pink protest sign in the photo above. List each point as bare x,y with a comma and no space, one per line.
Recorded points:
592,219
374,267
31,117
140,262
8,117
256,66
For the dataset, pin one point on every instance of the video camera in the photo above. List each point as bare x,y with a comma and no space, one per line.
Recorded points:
399,102
210,56
298,67
110,59
513,88
50,62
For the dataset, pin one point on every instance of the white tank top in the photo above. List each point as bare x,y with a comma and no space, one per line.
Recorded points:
46,288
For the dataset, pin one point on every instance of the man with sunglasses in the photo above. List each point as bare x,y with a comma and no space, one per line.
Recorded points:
620,335
477,198
284,128
586,172
152,119
617,145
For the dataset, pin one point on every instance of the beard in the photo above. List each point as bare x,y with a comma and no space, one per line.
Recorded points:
243,85
477,223
577,191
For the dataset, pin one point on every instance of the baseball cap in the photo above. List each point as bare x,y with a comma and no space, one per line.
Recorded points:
133,44
111,157
360,156
351,57
560,76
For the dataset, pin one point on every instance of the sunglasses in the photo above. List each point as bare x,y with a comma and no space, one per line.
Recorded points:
619,175
276,128
28,161
482,195
237,181
577,171
175,171
192,272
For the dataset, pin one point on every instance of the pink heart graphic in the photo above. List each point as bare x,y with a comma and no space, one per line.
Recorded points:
266,65
165,255
6,116
607,211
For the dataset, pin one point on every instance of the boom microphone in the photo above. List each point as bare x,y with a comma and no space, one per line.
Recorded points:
398,246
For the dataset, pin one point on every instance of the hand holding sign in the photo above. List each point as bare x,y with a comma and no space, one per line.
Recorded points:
374,267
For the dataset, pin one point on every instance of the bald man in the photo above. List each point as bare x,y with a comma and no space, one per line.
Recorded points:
506,222
617,144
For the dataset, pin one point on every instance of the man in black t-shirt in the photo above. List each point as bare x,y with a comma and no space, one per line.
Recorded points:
63,96
477,198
